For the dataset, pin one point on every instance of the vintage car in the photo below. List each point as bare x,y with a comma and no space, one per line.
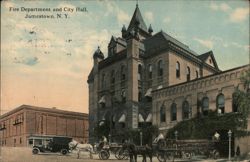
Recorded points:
52,144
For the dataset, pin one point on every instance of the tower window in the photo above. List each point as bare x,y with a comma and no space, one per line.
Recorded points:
123,76
160,68
197,74
177,69
139,72
188,73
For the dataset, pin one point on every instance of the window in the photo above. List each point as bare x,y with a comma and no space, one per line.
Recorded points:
112,77
163,114
173,112
234,103
20,140
197,74
150,69
177,69
160,68
188,74
139,96
123,76
205,106
139,72
30,141
220,102
185,110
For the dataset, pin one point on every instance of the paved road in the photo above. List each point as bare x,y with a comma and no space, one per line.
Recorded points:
21,154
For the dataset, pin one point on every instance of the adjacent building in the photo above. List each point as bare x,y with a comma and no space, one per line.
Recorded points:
21,125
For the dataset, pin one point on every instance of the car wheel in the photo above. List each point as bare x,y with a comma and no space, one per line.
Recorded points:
64,151
35,151
104,155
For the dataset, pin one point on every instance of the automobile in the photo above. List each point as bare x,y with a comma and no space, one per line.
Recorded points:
53,145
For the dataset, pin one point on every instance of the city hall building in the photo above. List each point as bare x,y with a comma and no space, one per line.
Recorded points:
155,79
25,125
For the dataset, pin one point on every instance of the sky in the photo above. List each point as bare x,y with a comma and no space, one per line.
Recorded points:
45,62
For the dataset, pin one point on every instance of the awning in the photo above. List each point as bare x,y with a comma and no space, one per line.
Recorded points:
122,119
159,87
149,118
102,100
101,123
140,118
149,93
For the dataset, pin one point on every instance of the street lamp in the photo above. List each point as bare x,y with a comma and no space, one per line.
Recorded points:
109,139
141,138
229,141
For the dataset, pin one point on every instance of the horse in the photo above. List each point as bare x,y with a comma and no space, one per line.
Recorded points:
134,150
74,145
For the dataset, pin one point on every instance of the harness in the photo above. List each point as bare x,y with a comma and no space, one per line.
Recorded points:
74,146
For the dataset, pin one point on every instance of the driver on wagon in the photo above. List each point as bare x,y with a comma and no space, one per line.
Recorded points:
160,137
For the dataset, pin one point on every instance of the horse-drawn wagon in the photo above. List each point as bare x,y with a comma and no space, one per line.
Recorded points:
104,151
185,149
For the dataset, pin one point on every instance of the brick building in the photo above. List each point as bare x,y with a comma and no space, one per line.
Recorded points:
24,122
156,79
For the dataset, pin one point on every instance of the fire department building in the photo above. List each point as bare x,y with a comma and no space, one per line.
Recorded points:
154,78
19,126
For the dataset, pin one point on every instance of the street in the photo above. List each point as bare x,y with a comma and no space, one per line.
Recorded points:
24,154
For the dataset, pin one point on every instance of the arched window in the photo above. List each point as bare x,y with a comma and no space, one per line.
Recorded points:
234,102
160,68
173,112
112,77
185,110
139,71
163,114
177,69
205,105
123,76
197,74
188,73
150,69
220,102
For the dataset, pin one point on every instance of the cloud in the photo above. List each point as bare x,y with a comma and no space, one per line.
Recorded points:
206,43
167,20
30,61
222,7
149,16
113,9
239,14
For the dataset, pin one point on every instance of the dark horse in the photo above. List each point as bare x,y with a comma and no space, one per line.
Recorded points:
134,150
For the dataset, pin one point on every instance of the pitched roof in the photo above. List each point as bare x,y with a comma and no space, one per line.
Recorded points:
137,17
204,56
161,38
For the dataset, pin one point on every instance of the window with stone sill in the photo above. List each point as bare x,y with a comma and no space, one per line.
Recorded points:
163,114
185,110
173,112
205,106
220,102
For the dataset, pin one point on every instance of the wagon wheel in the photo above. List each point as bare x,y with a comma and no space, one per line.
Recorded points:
64,151
104,155
122,154
35,151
